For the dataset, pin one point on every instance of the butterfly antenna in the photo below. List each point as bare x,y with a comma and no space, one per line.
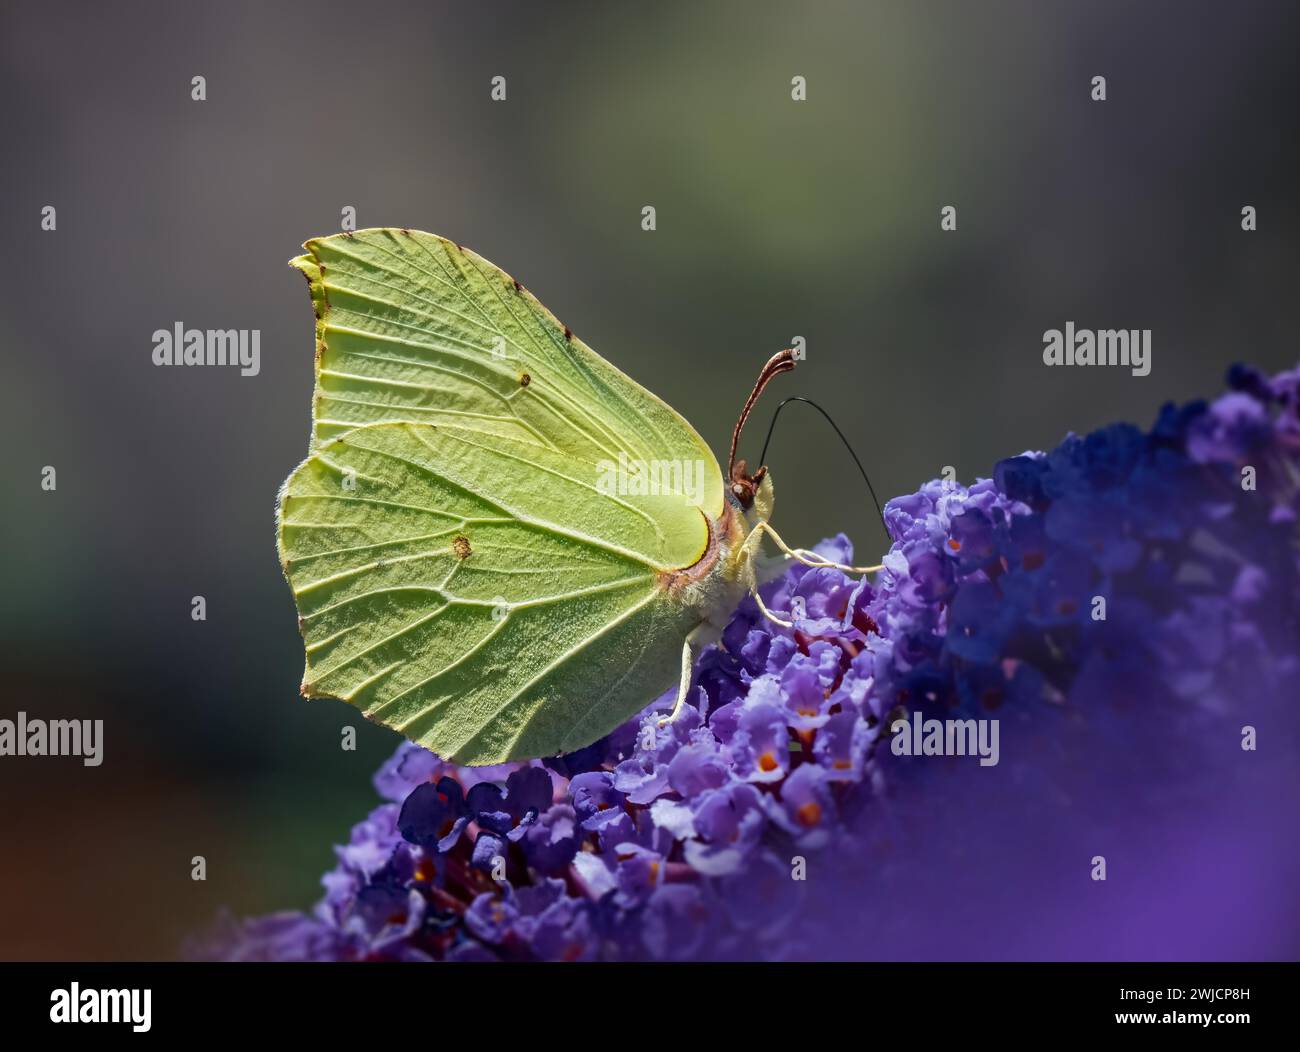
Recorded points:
744,485
762,459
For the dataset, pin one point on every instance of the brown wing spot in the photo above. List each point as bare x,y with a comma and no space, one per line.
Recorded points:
517,285
460,545
568,333
524,379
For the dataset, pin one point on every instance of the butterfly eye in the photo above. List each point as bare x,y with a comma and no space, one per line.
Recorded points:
742,489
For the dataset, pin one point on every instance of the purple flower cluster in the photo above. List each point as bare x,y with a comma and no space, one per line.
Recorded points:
1122,567
1122,570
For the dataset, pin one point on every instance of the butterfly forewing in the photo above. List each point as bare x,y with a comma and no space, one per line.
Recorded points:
412,327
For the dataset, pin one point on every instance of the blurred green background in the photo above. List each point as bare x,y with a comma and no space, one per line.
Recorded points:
775,219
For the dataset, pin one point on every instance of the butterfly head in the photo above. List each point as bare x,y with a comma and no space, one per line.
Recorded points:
752,494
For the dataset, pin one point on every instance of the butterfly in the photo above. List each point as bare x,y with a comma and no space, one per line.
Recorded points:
500,545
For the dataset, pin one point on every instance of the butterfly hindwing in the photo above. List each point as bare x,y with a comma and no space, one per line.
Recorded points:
477,593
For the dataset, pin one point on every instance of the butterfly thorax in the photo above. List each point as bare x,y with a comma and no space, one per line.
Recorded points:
715,584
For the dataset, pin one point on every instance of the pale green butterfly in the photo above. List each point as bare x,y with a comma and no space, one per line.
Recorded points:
500,545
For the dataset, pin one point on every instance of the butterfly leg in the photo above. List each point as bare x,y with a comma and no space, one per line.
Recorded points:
762,607
802,555
695,641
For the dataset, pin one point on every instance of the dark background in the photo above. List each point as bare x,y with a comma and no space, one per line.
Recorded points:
775,219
